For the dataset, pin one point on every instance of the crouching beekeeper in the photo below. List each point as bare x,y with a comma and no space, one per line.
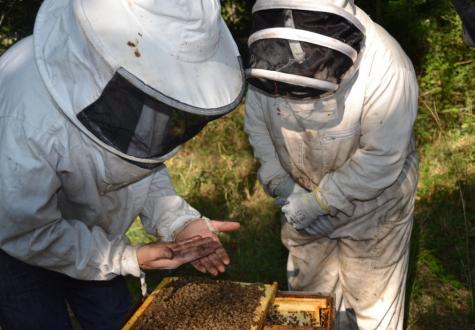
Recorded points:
90,107
330,116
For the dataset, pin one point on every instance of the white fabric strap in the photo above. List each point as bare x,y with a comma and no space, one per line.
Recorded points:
310,5
292,79
143,284
305,36
295,46
210,226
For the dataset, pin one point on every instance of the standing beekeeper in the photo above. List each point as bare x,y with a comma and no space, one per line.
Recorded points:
330,116
91,106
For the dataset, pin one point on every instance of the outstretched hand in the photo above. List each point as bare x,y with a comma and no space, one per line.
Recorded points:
217,261
171,255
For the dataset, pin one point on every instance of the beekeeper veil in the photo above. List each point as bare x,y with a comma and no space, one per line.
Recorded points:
139,77
303,48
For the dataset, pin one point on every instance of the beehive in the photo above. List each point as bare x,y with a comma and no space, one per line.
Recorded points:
300,311
192,311
271,310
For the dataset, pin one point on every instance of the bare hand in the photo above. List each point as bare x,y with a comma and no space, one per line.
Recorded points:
169,255
217,261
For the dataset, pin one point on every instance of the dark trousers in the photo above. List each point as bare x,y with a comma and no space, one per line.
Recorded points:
36,298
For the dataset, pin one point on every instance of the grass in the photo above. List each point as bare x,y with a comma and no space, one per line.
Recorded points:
440,289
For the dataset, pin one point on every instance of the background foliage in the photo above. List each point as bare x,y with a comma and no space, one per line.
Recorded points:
216,172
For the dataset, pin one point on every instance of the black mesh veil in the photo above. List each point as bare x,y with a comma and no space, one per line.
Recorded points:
305,59
129,120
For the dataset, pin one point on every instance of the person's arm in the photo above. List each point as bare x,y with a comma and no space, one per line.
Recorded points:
386,133
165,212
274,178
175,219
32,228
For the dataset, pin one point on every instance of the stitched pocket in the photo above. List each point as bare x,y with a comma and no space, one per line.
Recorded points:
338,146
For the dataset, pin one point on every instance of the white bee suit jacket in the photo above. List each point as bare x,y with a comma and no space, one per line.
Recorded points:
66,202
66,197
358,147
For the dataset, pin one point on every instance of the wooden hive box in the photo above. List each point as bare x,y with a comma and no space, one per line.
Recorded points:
301,311
153,302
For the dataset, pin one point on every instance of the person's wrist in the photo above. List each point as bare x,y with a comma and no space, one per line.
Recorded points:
321,202
129,262
285,187
178,229
298,189
140,253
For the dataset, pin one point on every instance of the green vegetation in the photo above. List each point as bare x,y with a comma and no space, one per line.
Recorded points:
216,172
440,286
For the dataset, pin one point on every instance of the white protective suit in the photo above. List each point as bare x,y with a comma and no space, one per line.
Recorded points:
66,197
357,147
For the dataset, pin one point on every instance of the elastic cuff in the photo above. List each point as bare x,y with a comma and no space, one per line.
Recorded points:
320,199
129,263
334,197
211,228
180,224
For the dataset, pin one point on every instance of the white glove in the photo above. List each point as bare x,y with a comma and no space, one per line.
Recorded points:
301,209
322,226
287,187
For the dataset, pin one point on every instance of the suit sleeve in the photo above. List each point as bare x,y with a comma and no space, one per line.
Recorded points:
271,173
386,135
165,213
32,228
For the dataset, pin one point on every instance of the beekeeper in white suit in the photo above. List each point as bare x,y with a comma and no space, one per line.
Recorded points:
330,116
91,106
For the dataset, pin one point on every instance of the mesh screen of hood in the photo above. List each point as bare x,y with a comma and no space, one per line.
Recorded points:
138,125
327,24
319,62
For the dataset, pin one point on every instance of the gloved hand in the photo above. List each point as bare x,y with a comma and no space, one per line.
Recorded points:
287,187
322,226
301,209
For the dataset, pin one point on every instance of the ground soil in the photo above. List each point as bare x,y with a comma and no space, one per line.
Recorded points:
199,303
